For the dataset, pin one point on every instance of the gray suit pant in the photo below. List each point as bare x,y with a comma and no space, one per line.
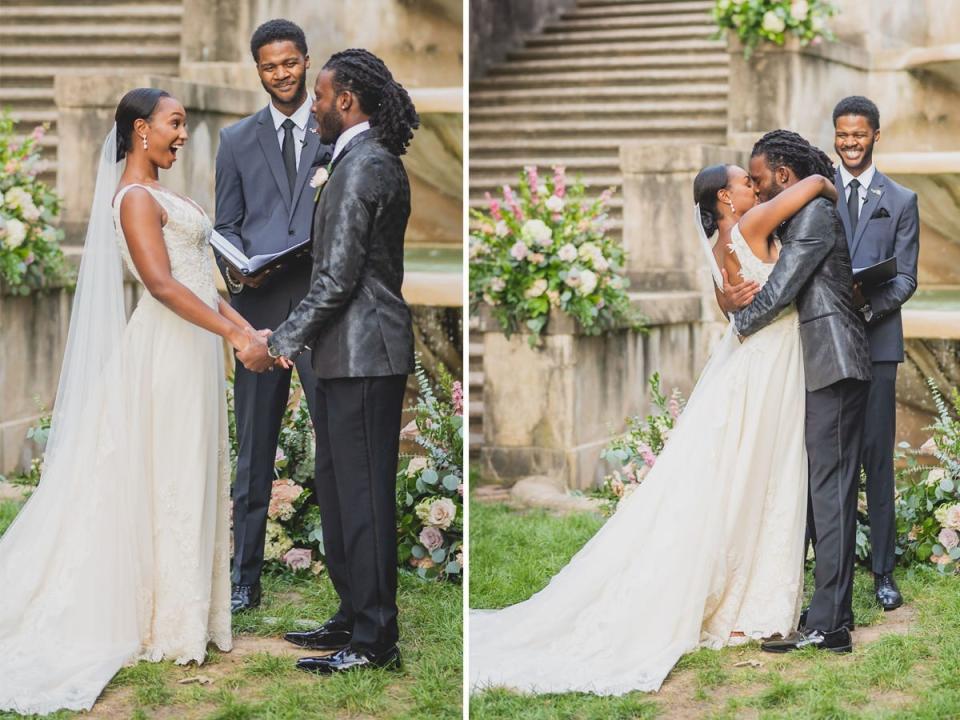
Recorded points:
879,432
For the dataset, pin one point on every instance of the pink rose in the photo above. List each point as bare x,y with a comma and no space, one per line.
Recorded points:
431,538
949,538
298,558
282,497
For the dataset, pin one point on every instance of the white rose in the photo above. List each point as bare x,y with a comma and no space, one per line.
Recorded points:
773,22
501,229
573,278
935,476
538,288
519,250
600,264
497,284
417,464
16,233
800,9
30,211
588,282
568,253
537,232
320,177
17,197
554,204
441,514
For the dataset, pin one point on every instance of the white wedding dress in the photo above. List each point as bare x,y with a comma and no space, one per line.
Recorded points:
122,552
710,543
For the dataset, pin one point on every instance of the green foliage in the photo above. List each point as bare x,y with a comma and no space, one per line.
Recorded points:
756,21
30,254
546,248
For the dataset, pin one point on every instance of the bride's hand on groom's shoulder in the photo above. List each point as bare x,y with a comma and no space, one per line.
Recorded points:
736,297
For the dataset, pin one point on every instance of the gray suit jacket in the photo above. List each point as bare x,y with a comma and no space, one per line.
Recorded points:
814,269
889,225
255,210
354,317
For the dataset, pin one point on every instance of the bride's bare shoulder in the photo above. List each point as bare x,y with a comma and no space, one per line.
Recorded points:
137,204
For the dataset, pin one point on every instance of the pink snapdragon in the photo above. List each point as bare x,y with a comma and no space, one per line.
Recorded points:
533,180
511,200
559,180
647,454
38,132
494,207
457,398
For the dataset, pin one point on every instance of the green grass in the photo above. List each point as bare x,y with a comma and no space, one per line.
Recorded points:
914,676
8,511
267,686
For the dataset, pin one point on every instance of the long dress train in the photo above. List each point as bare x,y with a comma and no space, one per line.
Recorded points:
710,543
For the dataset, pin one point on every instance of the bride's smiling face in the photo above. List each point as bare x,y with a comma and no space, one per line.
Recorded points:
165,132
740,190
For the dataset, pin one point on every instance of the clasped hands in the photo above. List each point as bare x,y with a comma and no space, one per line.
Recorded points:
255,356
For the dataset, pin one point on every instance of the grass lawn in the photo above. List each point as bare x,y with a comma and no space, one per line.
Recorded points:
905,664
257,680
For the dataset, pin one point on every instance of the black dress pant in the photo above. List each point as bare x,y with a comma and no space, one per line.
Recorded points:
879,437
834,429
358,438
259,403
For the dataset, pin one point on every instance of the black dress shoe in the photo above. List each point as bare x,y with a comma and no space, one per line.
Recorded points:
838,641
350,658
244,597
803,622
888,594
332,635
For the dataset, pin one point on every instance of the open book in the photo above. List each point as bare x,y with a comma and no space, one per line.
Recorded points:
874,275
258,264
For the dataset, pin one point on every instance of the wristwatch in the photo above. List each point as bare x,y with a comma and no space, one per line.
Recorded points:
232,285
867,312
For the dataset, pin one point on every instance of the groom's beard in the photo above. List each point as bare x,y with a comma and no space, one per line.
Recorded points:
330,126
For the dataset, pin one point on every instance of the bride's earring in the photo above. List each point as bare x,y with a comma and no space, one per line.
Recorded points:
144,137
729,202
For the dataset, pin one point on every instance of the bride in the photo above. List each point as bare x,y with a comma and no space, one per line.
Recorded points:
122,552
708,551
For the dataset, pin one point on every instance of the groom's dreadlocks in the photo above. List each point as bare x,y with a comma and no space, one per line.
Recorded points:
783,147
381,97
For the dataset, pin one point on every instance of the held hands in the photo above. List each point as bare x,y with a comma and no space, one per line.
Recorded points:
736,297
254,355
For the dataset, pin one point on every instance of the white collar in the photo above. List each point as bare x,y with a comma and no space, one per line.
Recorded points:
866,177
348,135
299,117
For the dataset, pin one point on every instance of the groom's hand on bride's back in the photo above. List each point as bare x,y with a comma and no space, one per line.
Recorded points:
736,297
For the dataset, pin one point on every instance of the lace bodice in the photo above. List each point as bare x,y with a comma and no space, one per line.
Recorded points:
187,237
751,267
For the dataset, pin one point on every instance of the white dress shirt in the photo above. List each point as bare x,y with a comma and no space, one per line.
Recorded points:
300,119
866,177
348,135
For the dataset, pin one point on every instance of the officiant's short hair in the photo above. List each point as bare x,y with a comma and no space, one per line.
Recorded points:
277,30
858,105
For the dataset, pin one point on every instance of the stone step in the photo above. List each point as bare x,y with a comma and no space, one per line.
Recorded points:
28,119
607,95
481,168
126,55
622,22
145,35
26,98
688,61
35,13
620,35
630,78
508,147
573,112
606,49
476,408
476,379
41,76
701,129
584,10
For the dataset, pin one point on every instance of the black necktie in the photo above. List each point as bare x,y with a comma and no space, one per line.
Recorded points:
853,204
289,153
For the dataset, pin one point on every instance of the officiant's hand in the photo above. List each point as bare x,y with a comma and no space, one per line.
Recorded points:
736,297
253,282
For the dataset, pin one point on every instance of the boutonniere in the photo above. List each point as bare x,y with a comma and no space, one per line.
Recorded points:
875,191
319,179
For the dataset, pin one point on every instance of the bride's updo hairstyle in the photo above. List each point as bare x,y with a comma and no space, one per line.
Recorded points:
138,103
706,185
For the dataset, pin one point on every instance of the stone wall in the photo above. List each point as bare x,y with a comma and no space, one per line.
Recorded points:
497,26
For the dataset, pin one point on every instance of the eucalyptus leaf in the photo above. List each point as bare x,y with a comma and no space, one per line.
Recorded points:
418,551
451,483
429,476
946,485
453,567
439,555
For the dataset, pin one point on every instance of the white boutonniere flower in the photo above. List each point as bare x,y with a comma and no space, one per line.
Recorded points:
319,179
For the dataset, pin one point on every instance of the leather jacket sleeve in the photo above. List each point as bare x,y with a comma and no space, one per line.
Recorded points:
806,244
348,211
890,296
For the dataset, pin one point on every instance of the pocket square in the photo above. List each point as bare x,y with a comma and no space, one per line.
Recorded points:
880,212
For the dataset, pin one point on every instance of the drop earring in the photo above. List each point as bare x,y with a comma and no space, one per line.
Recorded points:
144,141
729,202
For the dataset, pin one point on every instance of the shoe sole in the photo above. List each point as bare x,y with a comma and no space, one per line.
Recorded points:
890,607
784,651
321,648
324,670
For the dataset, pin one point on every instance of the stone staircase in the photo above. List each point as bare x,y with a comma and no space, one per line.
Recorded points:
40,39
606,71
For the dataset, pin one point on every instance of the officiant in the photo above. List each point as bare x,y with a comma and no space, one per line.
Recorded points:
881,220
264,205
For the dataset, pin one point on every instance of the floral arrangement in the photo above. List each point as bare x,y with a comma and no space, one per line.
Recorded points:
545,247
928,506
757,20
30,254
636,451
430,486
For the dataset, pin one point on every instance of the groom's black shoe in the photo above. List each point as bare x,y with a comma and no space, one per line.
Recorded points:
350,658
803,622
838,641
332,635
888,594
244,597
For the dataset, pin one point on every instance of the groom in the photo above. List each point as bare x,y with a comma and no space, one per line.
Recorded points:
359,328
814,270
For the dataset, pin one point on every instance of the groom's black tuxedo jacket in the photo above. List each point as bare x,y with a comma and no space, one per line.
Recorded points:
814,269
354,317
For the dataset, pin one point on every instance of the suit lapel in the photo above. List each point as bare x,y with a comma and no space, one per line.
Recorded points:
842,209
354,141
267,137
308,153
874,193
